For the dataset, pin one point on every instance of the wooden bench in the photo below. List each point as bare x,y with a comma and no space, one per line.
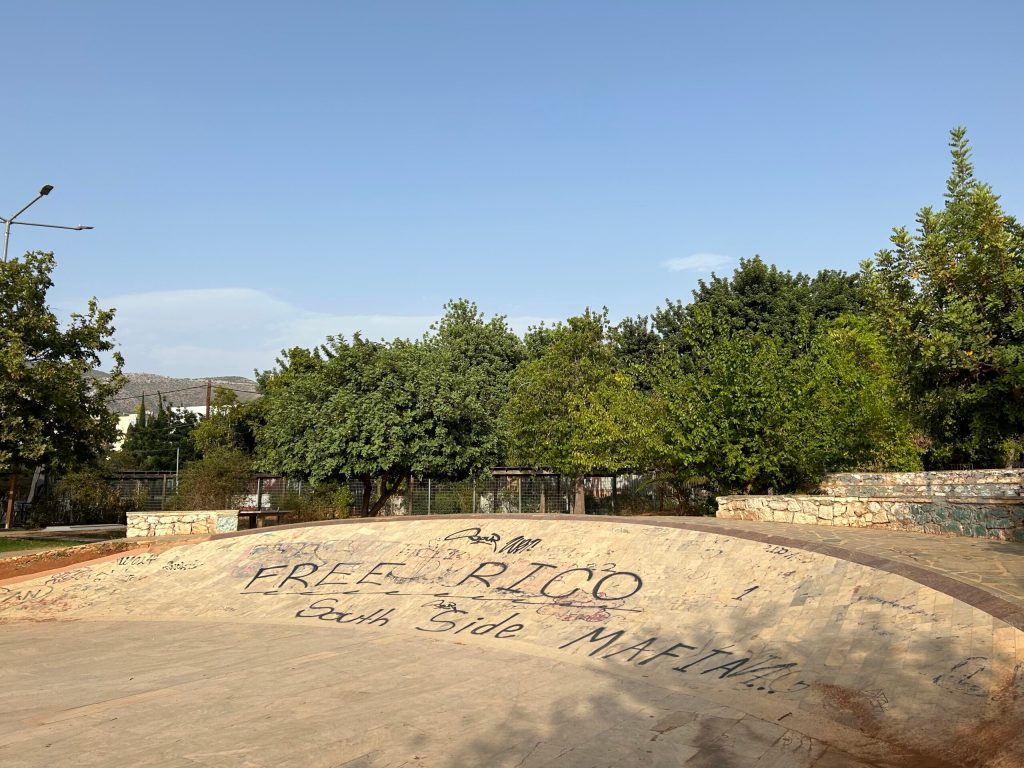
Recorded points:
257,518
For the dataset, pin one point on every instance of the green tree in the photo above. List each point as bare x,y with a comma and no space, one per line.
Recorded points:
950,299
727,415
214,481
854,409
158,441
380,412
574,409
758,298
53,406
220,462
747,414
229,425
469,365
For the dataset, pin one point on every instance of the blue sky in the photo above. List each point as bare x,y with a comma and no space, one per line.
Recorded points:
262,174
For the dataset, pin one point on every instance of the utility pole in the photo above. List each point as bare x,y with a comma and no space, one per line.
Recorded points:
11,492
209,396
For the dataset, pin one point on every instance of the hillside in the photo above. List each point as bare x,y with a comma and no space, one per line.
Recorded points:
175,391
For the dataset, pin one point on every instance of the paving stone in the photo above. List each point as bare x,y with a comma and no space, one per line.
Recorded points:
604,642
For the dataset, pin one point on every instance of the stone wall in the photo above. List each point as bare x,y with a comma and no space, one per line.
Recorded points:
183,522
996,518
985,483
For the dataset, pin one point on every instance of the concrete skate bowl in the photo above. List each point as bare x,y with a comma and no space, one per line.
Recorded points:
518,641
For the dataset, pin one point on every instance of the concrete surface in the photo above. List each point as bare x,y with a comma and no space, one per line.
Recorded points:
519,641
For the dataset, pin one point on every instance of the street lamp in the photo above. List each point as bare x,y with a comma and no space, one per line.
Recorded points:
47,189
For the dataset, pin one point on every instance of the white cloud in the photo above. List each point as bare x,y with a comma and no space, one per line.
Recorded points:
231,331
698,262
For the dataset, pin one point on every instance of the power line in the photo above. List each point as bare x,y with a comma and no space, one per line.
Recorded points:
159,393
168,392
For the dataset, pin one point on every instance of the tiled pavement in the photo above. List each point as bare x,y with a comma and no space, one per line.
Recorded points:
985,573
175,667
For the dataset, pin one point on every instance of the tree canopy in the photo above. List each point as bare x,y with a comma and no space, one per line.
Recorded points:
574,409
950,299
162,440
762,299
379,412
747,413
53,404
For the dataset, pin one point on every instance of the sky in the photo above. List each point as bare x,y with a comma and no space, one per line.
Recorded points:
261,175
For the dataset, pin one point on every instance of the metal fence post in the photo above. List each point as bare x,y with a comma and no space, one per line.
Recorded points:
474,495
428,495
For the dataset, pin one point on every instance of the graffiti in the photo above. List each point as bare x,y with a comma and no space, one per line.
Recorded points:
763,674
617,585
960,677
444,605
579,587
66,576
913,610
306,549
792,741
247,563
787,554
518,545
562,613
327,611
434,553
302,573
475,537
876,698
136,559
24,594
453,620
746,592
181,565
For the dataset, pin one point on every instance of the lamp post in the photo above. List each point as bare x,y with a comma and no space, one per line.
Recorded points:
43,192
46,189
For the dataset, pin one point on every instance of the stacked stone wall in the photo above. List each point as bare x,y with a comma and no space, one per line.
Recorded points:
978,503
985,483
989,519
183,522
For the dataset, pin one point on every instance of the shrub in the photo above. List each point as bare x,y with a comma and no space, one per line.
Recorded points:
214,481
81,497
328,501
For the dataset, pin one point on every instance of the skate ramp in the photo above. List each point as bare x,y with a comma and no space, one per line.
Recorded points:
502,641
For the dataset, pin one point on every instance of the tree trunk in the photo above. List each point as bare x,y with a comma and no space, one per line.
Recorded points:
11,493
580,506
386,492
364,506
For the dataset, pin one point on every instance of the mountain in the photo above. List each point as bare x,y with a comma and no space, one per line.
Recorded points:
188,392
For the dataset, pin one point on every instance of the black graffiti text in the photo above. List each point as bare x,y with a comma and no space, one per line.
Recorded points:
326,609
765,673
450,620
580,585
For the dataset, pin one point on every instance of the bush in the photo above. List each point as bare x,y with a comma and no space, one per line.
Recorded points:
214,481
83,497
328,501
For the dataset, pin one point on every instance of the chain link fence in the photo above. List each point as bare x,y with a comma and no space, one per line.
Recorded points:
503,491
